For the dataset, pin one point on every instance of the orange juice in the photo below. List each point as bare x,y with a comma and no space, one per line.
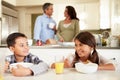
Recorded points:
59,66
1,78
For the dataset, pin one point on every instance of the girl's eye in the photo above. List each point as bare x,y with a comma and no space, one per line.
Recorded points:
80,44
22,45
75,45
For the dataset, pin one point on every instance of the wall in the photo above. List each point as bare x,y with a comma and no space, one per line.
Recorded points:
25,14
115,29
91,21
12,2
89,18
40,2
0,9
0,21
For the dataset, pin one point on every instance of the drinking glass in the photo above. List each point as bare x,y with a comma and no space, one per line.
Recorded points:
59,64
2,63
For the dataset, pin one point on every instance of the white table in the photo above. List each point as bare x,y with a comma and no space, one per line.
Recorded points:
69,74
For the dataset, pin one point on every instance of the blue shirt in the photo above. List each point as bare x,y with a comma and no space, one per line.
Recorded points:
41,30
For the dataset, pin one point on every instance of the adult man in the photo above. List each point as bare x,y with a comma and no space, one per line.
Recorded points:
45,26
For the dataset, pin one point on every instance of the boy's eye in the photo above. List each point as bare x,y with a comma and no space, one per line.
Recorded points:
27,44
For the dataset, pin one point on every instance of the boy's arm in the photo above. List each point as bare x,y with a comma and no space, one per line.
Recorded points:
21,71
6,66
39,68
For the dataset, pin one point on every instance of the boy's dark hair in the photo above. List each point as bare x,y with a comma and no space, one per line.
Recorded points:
12,37
46,5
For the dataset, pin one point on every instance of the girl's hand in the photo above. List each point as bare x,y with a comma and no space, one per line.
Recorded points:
53,65
67,64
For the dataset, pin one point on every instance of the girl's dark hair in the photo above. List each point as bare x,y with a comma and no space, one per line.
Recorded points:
12,37
71,12
88,39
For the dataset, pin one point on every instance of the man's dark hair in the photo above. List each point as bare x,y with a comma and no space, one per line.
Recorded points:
12,37
46,5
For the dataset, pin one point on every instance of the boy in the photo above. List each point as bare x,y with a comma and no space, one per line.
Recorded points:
18,44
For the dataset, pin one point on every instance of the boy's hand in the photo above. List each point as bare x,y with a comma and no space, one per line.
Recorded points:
6,66
21,71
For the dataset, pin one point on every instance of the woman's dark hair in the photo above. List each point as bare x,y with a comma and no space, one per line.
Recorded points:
71,12
88,39
12,37
46,5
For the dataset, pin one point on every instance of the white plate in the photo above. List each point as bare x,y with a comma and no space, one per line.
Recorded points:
14,65
86,68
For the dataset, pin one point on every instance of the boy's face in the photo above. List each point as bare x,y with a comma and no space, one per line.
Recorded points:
21,47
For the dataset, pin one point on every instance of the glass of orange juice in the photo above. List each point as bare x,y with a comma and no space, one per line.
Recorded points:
59,64
2,61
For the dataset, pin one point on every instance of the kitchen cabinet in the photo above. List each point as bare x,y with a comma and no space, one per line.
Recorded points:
105,13
90,16
9,25
115,28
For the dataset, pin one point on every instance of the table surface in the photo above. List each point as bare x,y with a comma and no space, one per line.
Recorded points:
69,74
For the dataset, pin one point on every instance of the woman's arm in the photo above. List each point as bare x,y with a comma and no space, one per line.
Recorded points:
77,28
58,33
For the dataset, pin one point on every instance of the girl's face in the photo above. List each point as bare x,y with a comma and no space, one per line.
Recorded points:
82,50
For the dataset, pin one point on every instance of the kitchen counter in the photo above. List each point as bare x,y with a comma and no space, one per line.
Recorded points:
69,47
69,74
61,46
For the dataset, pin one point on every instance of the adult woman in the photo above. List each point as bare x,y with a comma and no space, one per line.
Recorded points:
69,27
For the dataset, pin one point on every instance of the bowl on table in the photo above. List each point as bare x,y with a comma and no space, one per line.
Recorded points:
86,68
24,64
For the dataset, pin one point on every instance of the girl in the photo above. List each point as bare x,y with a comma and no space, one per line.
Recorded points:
85,51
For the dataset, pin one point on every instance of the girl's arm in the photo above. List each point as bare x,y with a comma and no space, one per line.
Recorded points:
109,66
105,64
